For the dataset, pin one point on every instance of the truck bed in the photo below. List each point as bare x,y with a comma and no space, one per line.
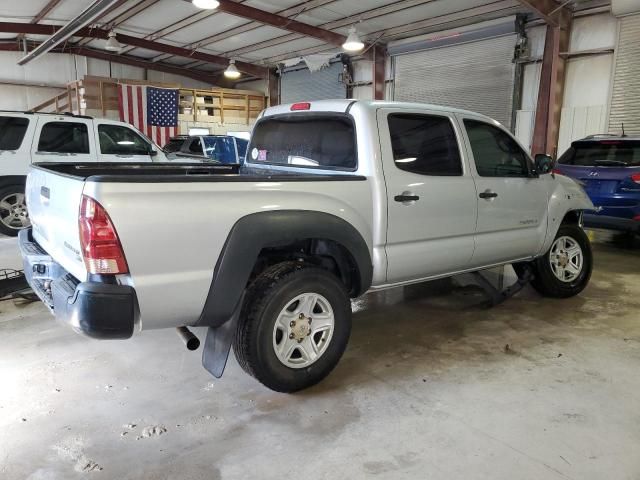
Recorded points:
176,172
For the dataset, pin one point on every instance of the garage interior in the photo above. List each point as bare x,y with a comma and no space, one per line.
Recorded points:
433,383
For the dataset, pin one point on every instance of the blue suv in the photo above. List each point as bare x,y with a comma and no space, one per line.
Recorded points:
608,167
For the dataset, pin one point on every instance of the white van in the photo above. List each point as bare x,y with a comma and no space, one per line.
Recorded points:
27,138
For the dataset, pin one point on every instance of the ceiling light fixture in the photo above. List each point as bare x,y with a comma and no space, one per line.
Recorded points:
353,42
206,4
232,71
113,45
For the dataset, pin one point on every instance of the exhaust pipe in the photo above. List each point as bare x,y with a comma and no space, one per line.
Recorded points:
189,339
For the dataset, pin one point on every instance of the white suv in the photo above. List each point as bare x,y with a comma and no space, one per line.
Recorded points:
27,138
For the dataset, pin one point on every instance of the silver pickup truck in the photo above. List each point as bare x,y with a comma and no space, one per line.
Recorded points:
336,199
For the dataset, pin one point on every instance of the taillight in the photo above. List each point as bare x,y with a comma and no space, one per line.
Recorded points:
296,107
101,248
557,171
636,178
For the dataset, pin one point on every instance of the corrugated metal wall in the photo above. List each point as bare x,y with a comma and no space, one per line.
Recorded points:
476,76
303,85
625,94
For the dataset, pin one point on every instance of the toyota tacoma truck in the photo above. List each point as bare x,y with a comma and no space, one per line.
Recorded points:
336,199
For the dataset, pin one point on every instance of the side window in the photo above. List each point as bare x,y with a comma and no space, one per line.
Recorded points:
12,131
118,140
424,144
195,146
496,154
64,137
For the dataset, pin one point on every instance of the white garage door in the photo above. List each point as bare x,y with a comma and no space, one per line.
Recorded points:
625,95
303,85
476,76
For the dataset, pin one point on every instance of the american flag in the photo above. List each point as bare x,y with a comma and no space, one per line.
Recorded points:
152,110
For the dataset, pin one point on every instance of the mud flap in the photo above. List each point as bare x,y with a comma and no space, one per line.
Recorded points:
218,343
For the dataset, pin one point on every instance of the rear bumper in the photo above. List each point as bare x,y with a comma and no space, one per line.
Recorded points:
611,223
96,309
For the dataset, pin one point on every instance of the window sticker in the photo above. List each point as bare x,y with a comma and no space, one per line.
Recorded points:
254,154
262,155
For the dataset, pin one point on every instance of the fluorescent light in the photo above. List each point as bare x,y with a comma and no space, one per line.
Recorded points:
353,42
206,4
125,142
113,45
406,160
232,71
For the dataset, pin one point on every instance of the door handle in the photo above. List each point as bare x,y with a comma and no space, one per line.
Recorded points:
488,194
406,198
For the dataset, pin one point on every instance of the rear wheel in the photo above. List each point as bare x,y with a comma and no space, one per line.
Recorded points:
565,270
294,327
13,210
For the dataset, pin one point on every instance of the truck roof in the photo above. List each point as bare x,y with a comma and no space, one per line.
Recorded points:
342,105
65,114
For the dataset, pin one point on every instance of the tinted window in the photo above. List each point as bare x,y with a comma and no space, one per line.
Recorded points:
117,140
221,149
195,146
496,154
12,130
424,144
604,153
173,145
64,137
242,147
310,140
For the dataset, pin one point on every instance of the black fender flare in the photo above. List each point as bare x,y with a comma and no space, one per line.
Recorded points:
6,180
261,230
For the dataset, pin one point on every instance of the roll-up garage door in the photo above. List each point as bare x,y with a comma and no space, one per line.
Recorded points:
477,76
625,95
303,85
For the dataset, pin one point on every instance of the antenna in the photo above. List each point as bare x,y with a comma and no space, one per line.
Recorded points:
623,134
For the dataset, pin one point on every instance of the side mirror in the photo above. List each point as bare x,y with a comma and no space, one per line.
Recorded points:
544,163
153,152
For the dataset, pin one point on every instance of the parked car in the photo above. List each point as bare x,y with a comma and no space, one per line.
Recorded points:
608,166
38,137
221,148
337,198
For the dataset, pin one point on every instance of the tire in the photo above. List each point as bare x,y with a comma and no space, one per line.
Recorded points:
548,283
13,210
259,337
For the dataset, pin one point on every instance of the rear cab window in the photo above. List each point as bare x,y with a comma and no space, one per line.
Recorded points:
312,140
606,153
12,132
173,145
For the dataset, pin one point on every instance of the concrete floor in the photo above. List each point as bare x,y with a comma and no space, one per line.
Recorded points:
427,389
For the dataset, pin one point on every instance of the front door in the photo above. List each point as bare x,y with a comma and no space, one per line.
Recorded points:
512,203
119,143
431,197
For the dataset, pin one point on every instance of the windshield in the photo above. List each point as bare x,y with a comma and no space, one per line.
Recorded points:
306,140
624,153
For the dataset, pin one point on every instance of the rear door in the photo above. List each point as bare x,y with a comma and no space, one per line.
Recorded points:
119,143
512,204
64,139
431,195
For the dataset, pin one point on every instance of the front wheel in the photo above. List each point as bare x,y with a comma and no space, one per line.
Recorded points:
13,210
565,270
294,326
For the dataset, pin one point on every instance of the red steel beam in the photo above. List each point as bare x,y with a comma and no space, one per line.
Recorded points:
552,13
379,72
40,29
45,10
125,60
279,21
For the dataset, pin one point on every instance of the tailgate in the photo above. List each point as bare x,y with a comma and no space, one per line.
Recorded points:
53,201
